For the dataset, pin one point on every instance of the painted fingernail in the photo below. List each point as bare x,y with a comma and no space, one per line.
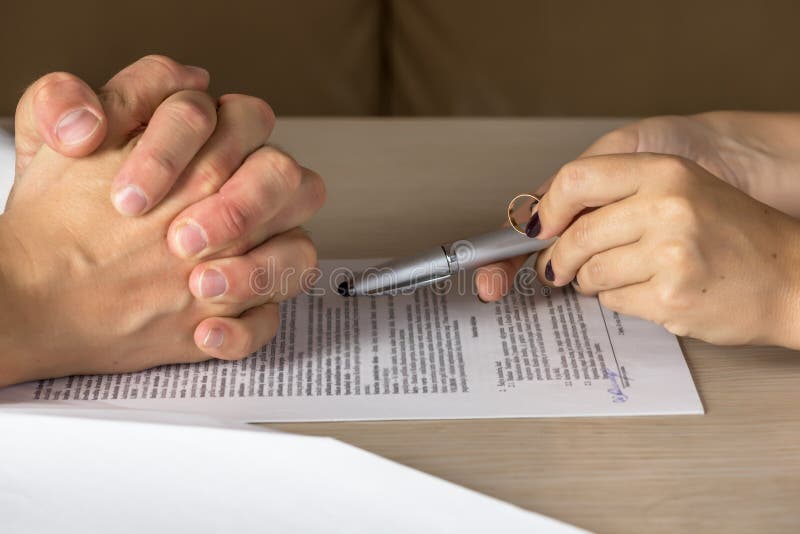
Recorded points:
212,284
548,271
534,226
214,339
191,239
76,126
130,200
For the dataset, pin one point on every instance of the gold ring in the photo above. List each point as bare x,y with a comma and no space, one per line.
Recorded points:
515,205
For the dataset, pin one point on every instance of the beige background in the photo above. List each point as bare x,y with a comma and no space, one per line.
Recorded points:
430,57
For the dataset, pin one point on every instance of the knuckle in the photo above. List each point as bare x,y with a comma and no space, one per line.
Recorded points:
164,161
165,66
582,233
284,169
674,168
595,273
675,208
235,216
266,111
670,297
210,174
676,328
194,115
570,178
215,170
678,255
111,96
256,109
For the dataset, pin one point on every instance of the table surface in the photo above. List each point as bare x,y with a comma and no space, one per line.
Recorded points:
395,185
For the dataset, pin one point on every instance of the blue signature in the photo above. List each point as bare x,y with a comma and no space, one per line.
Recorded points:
616,391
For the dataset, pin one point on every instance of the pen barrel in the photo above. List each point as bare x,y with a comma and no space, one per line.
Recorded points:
494,246
415,271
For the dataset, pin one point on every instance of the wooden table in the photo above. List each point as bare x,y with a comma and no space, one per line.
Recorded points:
395,185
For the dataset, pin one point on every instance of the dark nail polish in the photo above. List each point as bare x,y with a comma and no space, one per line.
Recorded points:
548,271
534,226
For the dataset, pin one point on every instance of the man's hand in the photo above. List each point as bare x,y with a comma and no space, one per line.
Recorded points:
169,154
85,290
234,202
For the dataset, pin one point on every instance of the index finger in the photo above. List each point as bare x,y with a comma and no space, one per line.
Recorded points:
179,128
588,183
131,97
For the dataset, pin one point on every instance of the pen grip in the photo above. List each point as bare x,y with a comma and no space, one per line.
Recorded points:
495,246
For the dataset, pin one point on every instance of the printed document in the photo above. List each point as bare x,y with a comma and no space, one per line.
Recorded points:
427,355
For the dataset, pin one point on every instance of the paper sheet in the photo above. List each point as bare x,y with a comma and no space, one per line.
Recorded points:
83,474
421,356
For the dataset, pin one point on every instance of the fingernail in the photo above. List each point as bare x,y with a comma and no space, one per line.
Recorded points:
212,284
214,339
191,239
548,271
534,226
76,126
130,200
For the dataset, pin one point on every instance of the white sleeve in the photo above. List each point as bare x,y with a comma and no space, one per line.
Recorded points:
6,164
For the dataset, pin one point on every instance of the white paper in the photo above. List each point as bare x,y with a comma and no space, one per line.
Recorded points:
418,356
67,474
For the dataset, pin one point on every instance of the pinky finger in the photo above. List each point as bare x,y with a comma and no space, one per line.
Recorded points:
236,338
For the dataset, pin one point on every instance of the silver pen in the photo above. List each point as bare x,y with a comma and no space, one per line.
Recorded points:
440,263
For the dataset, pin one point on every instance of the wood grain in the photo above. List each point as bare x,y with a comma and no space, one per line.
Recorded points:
397,185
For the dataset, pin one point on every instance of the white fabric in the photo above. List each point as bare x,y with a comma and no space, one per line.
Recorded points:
6,161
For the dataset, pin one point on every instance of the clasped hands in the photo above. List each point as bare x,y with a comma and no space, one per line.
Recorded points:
685,221
160,273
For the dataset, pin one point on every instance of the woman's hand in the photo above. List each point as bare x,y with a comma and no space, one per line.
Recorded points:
667,241
86,290
758,153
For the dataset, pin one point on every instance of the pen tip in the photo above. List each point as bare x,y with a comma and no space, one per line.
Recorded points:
344,289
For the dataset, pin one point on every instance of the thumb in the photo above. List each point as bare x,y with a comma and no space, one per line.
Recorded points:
61,111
